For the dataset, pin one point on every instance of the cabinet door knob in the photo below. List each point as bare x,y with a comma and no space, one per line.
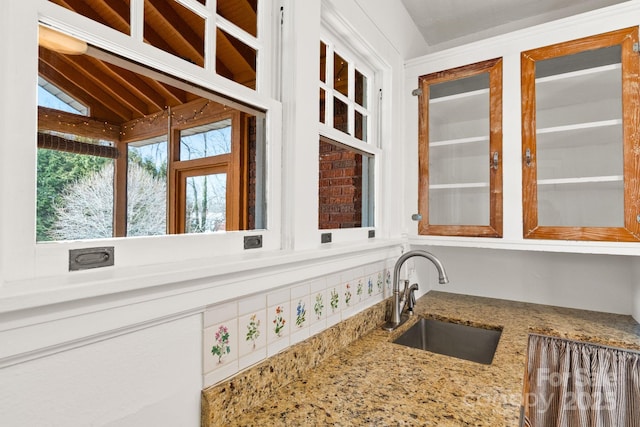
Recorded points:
494,160
527,157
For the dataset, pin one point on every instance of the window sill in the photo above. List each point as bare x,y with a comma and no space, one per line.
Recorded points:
162,280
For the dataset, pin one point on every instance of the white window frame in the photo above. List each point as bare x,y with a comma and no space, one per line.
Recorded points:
21,258
354,50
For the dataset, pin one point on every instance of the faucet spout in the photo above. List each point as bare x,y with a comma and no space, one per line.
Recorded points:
399,301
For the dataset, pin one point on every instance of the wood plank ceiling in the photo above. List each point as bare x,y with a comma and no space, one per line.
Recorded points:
117,95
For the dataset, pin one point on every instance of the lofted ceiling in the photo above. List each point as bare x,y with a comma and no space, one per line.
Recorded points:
449,23
117,95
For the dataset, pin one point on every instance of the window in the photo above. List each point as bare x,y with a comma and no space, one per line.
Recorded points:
147,158
348,147
123,101
178,28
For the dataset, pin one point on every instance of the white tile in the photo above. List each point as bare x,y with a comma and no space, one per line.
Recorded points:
318,285
277,346
317,327
253,331
252,358
220,346
219,375
349,311
299,291
220,313
357,272
334,319
279,297
370,269
299,336
248,305
333,280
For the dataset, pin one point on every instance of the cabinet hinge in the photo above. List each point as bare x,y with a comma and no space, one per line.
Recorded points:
636,47
416,92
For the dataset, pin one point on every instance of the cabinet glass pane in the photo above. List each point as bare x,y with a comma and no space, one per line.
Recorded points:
581,205
579,139
459,151
455,206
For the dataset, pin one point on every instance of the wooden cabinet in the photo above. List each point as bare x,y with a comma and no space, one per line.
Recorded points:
460,151
580,139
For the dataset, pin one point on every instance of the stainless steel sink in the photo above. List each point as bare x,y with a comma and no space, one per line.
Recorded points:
452,339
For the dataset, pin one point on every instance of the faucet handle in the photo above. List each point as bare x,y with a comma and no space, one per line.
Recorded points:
412,298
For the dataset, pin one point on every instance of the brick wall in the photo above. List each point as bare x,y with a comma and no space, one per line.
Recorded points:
340,187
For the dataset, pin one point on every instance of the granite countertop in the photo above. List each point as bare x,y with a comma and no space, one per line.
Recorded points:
375,382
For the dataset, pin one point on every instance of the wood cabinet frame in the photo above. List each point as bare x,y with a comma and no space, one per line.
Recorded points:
631,139
494,228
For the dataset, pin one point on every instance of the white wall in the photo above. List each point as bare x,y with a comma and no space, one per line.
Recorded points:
591,282
636,289
151,377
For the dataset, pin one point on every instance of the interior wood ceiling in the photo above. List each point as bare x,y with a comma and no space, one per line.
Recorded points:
117,95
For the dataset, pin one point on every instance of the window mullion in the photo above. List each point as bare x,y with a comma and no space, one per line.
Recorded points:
330,92
351,118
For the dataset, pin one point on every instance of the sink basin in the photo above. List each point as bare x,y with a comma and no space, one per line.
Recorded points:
452,339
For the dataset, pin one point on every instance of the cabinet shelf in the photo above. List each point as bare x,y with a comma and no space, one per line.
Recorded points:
462,107
587,75
459,185
580,126
585,180
469,140
461,98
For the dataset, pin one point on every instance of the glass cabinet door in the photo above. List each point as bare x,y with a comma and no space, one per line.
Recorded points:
460,151
580,139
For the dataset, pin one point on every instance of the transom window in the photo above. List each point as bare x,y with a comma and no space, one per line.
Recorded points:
179,28
345,88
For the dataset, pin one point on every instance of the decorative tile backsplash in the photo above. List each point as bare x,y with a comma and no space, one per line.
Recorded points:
243,332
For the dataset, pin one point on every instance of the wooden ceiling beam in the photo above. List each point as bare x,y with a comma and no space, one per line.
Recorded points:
186,40
137,86
60,121
118,12
247,53
109,82
242,13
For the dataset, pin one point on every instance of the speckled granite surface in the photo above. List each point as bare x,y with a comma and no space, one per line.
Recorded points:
374,382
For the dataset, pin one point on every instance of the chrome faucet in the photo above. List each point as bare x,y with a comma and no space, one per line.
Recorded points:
408,297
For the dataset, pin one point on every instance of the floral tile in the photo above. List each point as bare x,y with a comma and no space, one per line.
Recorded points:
319,303
252,329
278,322
335,297
300,312
348,291
220,345
379,288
